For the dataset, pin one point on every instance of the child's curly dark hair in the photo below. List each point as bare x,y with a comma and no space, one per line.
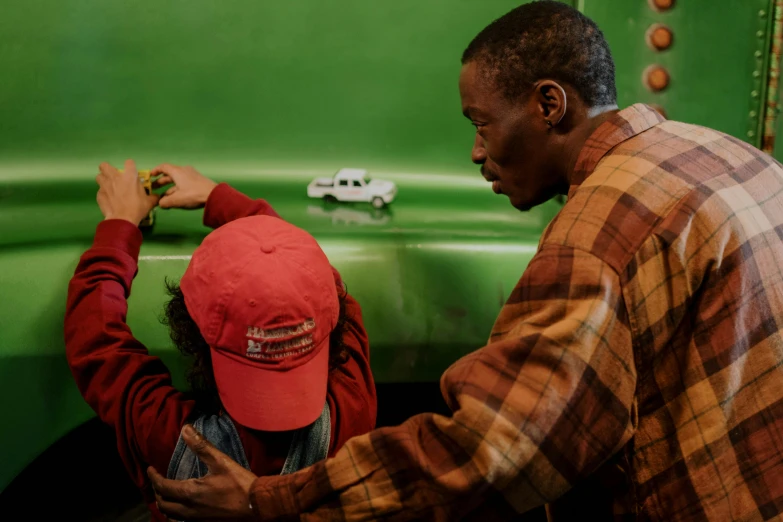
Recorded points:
187,338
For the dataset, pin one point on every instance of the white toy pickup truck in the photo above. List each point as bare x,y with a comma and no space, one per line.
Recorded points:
353,185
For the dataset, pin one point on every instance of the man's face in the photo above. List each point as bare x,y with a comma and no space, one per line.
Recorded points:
512,144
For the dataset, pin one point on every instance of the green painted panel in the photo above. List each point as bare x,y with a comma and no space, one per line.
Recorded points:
431,272
267,96
717,62
324,83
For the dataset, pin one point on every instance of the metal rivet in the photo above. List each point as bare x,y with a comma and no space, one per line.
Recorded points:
754,94
661,5
760,33
659,37
756,74
751,134
762,14
758,54
753,114
656,78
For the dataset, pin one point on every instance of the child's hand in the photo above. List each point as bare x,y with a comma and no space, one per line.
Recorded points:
191,189
121,194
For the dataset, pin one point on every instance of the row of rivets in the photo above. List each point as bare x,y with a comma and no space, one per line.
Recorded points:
753,115
659,38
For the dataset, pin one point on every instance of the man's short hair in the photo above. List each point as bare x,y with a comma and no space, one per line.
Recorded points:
546,39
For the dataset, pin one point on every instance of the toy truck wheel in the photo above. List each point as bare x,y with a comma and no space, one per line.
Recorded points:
378,202
330,199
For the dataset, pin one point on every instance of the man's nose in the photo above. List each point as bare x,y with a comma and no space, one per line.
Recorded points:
479,154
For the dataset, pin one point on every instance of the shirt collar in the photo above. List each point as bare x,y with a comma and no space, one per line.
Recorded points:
622,126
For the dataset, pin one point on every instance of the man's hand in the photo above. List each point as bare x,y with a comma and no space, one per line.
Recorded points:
224,494
121,194
191,189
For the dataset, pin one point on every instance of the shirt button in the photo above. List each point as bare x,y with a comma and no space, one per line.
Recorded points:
267,249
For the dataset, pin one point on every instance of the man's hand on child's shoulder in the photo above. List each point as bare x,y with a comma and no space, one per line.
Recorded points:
224,494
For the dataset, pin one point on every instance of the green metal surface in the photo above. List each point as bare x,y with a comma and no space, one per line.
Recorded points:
268,95
431,278
774,91
771,108
316,83
718,61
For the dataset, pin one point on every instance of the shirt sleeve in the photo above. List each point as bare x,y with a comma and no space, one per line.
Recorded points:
538,409
128,389
226,204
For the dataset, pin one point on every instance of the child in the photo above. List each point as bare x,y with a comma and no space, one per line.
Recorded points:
281,375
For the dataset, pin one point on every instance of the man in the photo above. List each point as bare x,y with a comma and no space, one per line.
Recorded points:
635,372
280,359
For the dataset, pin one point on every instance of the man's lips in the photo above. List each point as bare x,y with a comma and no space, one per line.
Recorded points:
492,179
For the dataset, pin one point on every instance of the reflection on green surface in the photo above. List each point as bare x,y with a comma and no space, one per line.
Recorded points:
357,81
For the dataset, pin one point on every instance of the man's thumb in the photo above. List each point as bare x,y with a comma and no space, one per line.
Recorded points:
206,452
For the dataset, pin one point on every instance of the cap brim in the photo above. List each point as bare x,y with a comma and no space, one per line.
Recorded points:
269,400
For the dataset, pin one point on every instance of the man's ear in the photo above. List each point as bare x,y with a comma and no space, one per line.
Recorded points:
552,101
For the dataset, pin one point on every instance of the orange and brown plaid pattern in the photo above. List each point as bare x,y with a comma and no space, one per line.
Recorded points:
634,373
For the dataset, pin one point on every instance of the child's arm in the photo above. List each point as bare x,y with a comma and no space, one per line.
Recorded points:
129,389
226,204
192,190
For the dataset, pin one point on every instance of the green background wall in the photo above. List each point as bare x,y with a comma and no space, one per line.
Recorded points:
321,83
264,95
283,83
254,90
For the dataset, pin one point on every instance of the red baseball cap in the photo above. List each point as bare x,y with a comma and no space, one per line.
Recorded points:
263,295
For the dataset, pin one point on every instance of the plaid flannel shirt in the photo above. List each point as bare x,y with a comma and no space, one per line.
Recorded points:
634,372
